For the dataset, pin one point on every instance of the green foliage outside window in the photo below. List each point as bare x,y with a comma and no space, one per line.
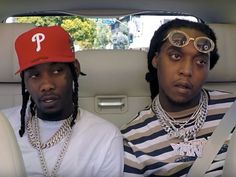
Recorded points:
86,33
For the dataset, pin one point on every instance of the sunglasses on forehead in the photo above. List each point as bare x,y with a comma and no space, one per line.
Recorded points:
180,39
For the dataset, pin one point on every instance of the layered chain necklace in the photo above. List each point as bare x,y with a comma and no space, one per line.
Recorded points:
33,132
184,130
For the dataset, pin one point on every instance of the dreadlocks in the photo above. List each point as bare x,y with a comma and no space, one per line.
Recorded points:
26,97
75,92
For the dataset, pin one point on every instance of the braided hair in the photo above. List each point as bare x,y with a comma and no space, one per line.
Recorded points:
75,96
157,42
26,97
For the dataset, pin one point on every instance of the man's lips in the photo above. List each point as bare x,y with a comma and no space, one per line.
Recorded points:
48,98
183,85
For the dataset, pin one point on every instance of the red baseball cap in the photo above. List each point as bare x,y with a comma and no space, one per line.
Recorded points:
42,45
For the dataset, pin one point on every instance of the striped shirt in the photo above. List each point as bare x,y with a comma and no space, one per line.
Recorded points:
149,150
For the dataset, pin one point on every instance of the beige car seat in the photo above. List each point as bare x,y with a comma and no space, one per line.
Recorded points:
11,162
223,75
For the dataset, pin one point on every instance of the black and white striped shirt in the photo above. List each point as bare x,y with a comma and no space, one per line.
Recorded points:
148,150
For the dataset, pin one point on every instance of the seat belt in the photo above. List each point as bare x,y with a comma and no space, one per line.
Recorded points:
215,142
229,169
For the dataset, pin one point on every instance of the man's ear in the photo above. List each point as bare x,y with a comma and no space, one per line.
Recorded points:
155,61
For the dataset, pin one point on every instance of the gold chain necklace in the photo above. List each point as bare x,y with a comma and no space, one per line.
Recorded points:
34,139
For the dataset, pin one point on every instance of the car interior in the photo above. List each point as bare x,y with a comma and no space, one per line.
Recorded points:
114,85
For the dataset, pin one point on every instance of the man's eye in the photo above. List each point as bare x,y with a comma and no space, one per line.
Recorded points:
33,76
57,71
202,61
175,56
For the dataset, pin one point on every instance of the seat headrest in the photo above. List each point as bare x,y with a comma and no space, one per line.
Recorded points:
224,70
9,64
108,73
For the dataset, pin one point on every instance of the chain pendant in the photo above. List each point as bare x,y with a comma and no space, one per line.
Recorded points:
190,148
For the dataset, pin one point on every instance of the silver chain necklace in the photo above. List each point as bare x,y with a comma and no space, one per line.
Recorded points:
178,128
32,125
34,139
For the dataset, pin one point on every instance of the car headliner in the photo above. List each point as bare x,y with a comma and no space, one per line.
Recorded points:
211,11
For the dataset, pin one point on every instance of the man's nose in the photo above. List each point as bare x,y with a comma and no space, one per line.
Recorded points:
47,83
186,67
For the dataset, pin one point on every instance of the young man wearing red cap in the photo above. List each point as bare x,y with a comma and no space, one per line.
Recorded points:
55,136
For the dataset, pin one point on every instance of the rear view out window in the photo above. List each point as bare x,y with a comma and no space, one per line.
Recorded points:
128,32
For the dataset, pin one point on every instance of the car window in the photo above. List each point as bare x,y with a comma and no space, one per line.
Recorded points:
127,32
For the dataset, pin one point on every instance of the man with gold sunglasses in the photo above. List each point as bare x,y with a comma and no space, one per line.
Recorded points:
169,135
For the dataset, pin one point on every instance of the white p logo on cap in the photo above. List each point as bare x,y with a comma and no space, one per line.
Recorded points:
38,38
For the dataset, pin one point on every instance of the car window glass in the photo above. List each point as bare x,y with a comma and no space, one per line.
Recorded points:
127,32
